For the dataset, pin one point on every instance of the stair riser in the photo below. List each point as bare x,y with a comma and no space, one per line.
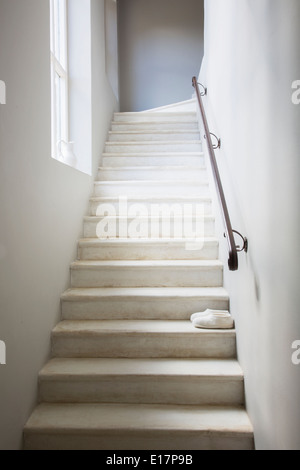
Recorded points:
124,308
153,126
180,174
137,440
115,147
107,189
143,345
147,252
147,228
146,277
153,137
155,117
151,160
151,390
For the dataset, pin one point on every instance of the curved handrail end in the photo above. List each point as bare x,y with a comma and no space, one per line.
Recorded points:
233,262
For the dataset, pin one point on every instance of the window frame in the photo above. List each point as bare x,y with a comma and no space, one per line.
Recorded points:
60,72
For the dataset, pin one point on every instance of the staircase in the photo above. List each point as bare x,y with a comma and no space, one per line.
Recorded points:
128,370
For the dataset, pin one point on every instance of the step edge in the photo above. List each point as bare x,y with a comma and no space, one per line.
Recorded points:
95,218
155,131
151,182
153,198
154,154
157,168
242,430
182,264
216,292
118,376
64,328
142,241
50,374
154,142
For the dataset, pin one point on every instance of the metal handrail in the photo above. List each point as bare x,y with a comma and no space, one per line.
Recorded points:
233,249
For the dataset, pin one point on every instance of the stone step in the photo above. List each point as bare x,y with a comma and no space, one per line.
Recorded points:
153,173
124,205
140,339
153,159
140,303
153,136
157,117
149,188
175,273
128,369
161,126
169,381
156,147
147,249
149,227
137,427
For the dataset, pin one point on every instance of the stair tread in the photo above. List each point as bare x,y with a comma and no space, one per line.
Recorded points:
152,168
156,113
140,241
90,418
151,182
192,121
154,142
195,199
155,131
145,292
155,154
227,369
147,263
94,218
94,327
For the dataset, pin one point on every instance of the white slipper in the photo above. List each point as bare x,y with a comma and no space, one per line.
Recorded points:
215,321
207,312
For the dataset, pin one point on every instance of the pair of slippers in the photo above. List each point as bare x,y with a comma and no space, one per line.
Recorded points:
213,319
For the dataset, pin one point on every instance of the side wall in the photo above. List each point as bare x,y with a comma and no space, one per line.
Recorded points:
251,59
160,44
42,201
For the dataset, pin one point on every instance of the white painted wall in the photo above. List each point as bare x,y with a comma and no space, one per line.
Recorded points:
111,45
251,59
160,45
104,101
80,82
42,201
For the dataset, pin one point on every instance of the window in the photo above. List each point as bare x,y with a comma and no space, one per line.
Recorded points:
71,82
59,75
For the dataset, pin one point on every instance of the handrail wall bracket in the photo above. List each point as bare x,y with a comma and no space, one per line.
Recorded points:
204,92
245,246
218,144
233,248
